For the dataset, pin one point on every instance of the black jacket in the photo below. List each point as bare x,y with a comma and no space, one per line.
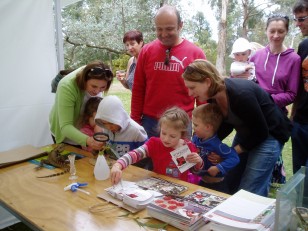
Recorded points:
255,115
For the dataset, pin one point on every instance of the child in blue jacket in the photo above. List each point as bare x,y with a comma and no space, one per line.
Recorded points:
206,120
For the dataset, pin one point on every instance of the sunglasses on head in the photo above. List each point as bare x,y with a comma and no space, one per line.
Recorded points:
100,71
300,19
167,59
189,70
282,16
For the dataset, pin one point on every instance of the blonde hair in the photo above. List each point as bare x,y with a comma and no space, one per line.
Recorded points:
200,70
209,113
176,118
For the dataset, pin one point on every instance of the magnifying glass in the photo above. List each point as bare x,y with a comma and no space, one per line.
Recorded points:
101,137
104,137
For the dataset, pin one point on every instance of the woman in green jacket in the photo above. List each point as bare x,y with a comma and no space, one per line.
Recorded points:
73,92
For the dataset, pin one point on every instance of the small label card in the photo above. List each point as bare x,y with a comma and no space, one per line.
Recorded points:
179,157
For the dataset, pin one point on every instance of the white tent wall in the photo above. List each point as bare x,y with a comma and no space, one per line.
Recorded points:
28,64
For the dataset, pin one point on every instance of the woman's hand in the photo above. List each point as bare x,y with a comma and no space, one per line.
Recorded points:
244,75
116,173
121,75
214,158
213,170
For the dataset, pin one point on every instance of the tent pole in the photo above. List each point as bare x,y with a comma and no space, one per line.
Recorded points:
59,36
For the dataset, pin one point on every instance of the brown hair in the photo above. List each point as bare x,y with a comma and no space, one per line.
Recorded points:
133,35
86,74
90,107
278,17
209,113
300,6
201,69
177,118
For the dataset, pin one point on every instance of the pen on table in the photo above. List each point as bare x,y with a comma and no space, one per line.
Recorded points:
82,190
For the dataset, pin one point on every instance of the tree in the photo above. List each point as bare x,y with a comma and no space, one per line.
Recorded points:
93,29
221,47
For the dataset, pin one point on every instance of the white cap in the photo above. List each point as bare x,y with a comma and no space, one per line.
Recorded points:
240,45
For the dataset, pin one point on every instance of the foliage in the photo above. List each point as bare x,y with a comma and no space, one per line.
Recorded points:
93,29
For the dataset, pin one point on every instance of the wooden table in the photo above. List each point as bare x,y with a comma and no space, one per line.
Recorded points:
42,204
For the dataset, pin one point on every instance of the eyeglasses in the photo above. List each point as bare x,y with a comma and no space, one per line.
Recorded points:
100,71
300,19
167,59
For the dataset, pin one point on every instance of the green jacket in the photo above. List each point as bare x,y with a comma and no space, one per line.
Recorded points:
65,112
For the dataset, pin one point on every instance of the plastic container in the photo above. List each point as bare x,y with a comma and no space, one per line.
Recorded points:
101,169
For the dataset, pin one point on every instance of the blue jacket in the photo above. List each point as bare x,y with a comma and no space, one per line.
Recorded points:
214,144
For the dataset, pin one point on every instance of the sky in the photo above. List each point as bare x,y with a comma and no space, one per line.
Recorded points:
201,5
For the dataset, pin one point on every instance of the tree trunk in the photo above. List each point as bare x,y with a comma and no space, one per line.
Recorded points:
246,17
222,37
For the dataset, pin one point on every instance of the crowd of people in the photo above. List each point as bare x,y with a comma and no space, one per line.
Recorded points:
179,98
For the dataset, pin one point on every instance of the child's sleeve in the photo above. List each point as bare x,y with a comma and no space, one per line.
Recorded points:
229,156
133,156
237,69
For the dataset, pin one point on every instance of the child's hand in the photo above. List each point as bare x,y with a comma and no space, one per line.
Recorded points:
194,158
213,171
116,173
244,75
248,67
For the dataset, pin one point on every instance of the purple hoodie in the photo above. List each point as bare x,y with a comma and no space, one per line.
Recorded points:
278,74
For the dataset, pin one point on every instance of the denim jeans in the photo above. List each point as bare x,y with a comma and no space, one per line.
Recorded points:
299,139
151,127
254,171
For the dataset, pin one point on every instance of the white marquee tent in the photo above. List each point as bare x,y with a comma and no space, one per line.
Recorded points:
31,55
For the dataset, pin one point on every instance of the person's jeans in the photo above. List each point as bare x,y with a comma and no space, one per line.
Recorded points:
254,171
150,125
299,139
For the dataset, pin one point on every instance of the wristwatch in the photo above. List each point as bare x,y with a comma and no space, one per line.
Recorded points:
305,80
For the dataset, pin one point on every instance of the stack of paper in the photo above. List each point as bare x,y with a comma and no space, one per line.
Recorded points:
243,211
130,194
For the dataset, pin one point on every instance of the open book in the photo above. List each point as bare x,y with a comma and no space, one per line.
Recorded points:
243,211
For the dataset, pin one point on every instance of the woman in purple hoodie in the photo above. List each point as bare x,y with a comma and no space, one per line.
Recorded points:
278,67
278,72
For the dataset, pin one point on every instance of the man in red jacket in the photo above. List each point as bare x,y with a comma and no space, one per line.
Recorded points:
158,82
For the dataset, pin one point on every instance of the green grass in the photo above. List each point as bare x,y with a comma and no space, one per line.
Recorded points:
125,96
